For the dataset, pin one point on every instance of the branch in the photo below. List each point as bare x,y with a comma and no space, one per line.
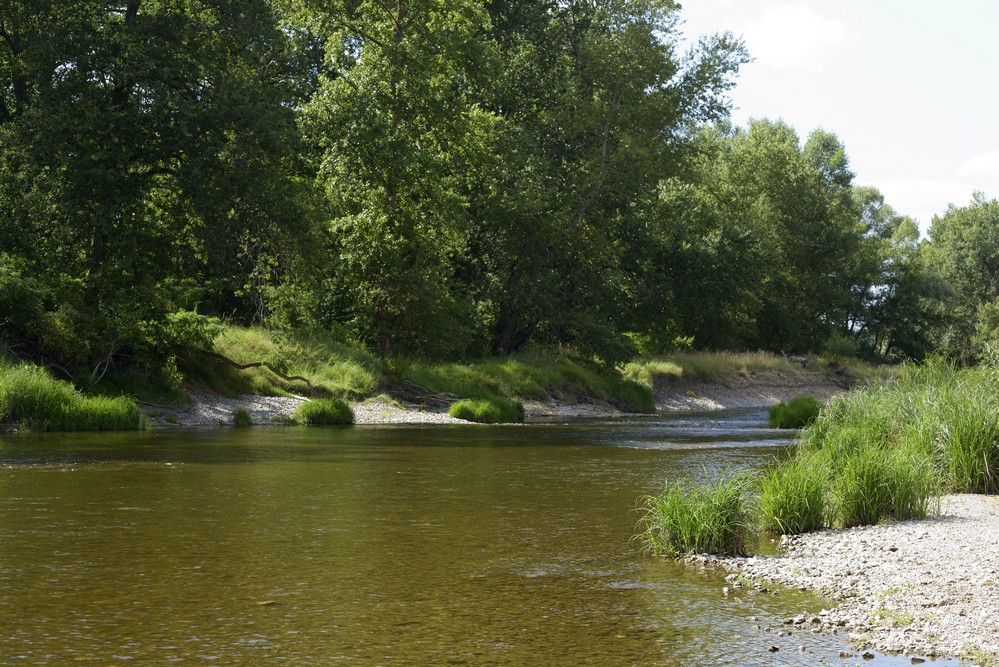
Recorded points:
258,364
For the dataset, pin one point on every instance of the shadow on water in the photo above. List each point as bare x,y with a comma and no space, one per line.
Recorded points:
376,545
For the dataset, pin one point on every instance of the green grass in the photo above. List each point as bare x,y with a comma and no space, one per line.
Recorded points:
241,418
488,411
335,366
685,519
706,366
324,412
792,497
798,412
538,376
32,399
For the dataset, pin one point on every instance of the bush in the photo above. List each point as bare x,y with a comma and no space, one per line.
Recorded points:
30,398
839,349
488,411
323,412
241,418
799,412
685,519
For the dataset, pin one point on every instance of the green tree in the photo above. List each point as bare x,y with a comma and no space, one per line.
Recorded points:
963,249
593,107
137,176
398,132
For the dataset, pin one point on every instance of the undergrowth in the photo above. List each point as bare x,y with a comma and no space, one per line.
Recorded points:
324,412
32,399
686,518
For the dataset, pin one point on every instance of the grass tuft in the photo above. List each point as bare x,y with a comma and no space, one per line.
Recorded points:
241,418
324,412
32,399
488,411
798,412
685,518
793,497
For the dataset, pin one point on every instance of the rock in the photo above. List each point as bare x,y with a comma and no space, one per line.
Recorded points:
867,655
773,649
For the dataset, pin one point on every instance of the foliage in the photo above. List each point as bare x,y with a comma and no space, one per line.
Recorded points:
685,519
798,412
706,366
488,411
241,418
323,412
30,398
535,376
335,366
793,496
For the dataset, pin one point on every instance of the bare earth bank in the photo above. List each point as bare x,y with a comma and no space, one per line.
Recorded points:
927,587
747,390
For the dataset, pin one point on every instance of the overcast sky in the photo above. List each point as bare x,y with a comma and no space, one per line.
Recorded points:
910,87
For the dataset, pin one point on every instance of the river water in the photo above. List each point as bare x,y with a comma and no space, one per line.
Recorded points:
375,545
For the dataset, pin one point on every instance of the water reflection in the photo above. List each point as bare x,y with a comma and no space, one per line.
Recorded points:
381,545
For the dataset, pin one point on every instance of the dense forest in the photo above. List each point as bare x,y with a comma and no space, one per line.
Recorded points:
443,180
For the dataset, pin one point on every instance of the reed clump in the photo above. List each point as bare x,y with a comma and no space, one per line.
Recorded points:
324,412
686,518
798,412
493,410
882,453
32,399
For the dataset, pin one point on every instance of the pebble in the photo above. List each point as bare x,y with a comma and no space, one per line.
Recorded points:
916,587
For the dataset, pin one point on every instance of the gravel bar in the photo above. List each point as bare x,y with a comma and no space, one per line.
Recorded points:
928,587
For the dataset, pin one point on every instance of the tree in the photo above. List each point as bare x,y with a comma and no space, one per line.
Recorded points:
963,249
137,177
398,132
593,109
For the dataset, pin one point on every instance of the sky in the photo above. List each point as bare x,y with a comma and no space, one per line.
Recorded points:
911,88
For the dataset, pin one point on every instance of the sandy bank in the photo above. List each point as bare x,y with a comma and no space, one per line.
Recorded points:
748,390
928,588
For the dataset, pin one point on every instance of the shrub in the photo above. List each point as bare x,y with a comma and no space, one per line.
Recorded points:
241,418
839,349
324,411
799,412
488,411
685,518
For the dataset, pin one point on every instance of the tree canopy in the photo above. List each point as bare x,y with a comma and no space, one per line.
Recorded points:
439,179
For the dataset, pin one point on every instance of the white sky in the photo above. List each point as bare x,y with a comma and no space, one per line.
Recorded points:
910,87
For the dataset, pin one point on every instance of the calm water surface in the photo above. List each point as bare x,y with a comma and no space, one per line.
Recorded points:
375,545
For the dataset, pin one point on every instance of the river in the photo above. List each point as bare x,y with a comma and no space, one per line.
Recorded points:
376,545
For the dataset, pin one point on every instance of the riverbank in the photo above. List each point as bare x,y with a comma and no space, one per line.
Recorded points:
923,588
752,389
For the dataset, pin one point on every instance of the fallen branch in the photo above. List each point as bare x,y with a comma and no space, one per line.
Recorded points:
258,364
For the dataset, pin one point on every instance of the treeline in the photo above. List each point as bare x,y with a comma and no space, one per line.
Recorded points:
439,179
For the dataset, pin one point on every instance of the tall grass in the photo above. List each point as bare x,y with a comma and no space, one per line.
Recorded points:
335,365
798,412
324,412
885,452
537,376
706,366
684,518
488,411
30,398
792,496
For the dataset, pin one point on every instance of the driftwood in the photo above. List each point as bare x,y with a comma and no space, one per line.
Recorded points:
258,364
414,394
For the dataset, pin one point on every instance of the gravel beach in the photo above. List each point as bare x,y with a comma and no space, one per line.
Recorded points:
927,588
